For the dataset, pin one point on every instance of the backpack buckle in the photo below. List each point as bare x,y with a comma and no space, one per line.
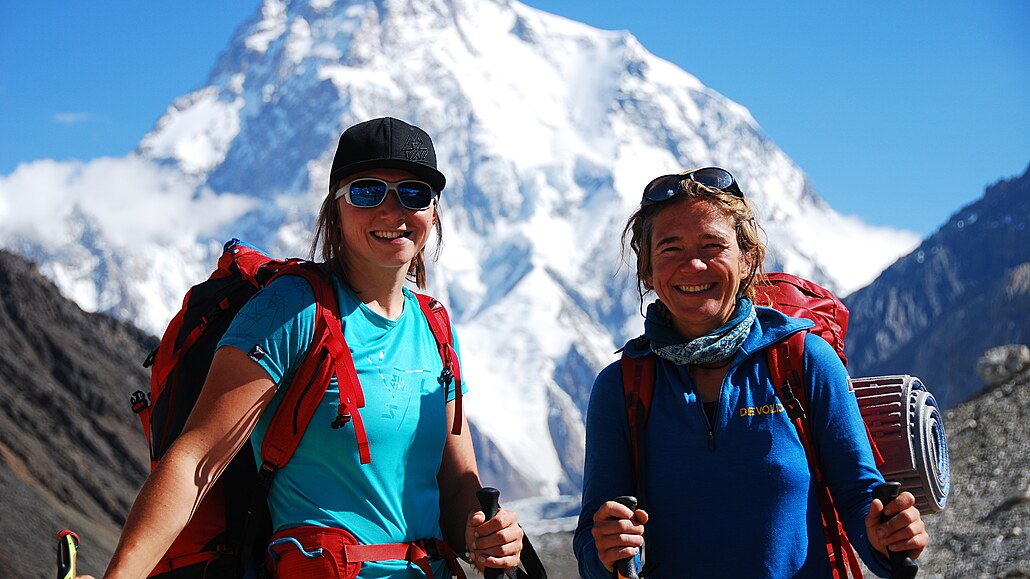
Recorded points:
447,376
791,403
265,475
341,420
139,401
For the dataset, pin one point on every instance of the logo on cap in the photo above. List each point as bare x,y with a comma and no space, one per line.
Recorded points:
414,149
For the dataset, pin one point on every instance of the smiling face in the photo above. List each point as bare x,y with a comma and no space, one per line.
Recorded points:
696,265
382,239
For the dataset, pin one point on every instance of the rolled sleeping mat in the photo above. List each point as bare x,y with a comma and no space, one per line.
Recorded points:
907,428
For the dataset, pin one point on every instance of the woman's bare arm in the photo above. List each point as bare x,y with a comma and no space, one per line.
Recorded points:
235,393
494,543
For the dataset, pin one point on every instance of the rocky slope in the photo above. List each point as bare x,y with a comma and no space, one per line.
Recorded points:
965,289
72,454
985,529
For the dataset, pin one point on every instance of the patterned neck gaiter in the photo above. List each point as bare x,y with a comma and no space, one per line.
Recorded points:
719,346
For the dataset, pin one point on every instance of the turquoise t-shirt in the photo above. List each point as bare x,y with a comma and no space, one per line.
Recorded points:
396,497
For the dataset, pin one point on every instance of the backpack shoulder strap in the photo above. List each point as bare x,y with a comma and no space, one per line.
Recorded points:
327,354
638,377
786,366
440,324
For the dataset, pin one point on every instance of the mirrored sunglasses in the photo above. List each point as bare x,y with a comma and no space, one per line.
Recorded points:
665,187
370,192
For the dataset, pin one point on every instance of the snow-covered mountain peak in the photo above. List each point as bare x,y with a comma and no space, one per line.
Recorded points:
547,130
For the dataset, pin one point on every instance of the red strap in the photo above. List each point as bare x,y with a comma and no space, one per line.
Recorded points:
141,406
169,356
852,556
440,325
329,354
389,551
343,546
443,549
877,455
313,376
352,397
171,564
786,367
638,378
415,552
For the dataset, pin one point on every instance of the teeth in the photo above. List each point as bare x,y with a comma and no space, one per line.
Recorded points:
695,288
388,234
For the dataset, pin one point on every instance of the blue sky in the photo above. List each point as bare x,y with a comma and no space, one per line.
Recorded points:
899,112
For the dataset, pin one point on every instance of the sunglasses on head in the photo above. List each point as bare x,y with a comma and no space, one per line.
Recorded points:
370,192
665,187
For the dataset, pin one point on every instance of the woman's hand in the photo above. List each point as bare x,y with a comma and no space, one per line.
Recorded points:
618,532
904,531
494,543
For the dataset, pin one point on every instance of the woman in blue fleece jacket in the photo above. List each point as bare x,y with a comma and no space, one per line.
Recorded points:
725,488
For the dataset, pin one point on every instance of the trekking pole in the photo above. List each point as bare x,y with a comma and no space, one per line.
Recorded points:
488,497
67,552
901,566
627,567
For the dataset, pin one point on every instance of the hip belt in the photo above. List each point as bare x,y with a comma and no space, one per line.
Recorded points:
311,551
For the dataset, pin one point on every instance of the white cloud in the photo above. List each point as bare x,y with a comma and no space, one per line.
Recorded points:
132,200
72,118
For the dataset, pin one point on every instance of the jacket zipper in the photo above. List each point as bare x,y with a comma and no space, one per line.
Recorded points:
704,415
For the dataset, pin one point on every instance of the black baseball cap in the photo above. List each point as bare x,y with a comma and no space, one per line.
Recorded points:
386,143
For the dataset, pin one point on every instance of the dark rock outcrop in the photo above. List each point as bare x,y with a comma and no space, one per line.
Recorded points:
72,454
964,290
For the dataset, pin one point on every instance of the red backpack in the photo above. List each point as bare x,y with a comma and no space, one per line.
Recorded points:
799,298
229,528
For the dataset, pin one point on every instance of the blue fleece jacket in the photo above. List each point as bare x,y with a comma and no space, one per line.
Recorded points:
734,498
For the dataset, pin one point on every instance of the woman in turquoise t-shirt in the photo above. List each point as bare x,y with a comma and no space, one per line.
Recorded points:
372,231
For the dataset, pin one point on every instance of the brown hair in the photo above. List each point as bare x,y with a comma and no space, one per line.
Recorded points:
638,230
327,242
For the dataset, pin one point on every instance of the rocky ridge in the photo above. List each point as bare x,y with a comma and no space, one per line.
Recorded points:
72,454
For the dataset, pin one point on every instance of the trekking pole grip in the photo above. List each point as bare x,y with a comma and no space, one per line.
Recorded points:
901,566
67,554
488,503
627,567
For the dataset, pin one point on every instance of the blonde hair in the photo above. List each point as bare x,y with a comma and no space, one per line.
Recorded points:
327,243
637,233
